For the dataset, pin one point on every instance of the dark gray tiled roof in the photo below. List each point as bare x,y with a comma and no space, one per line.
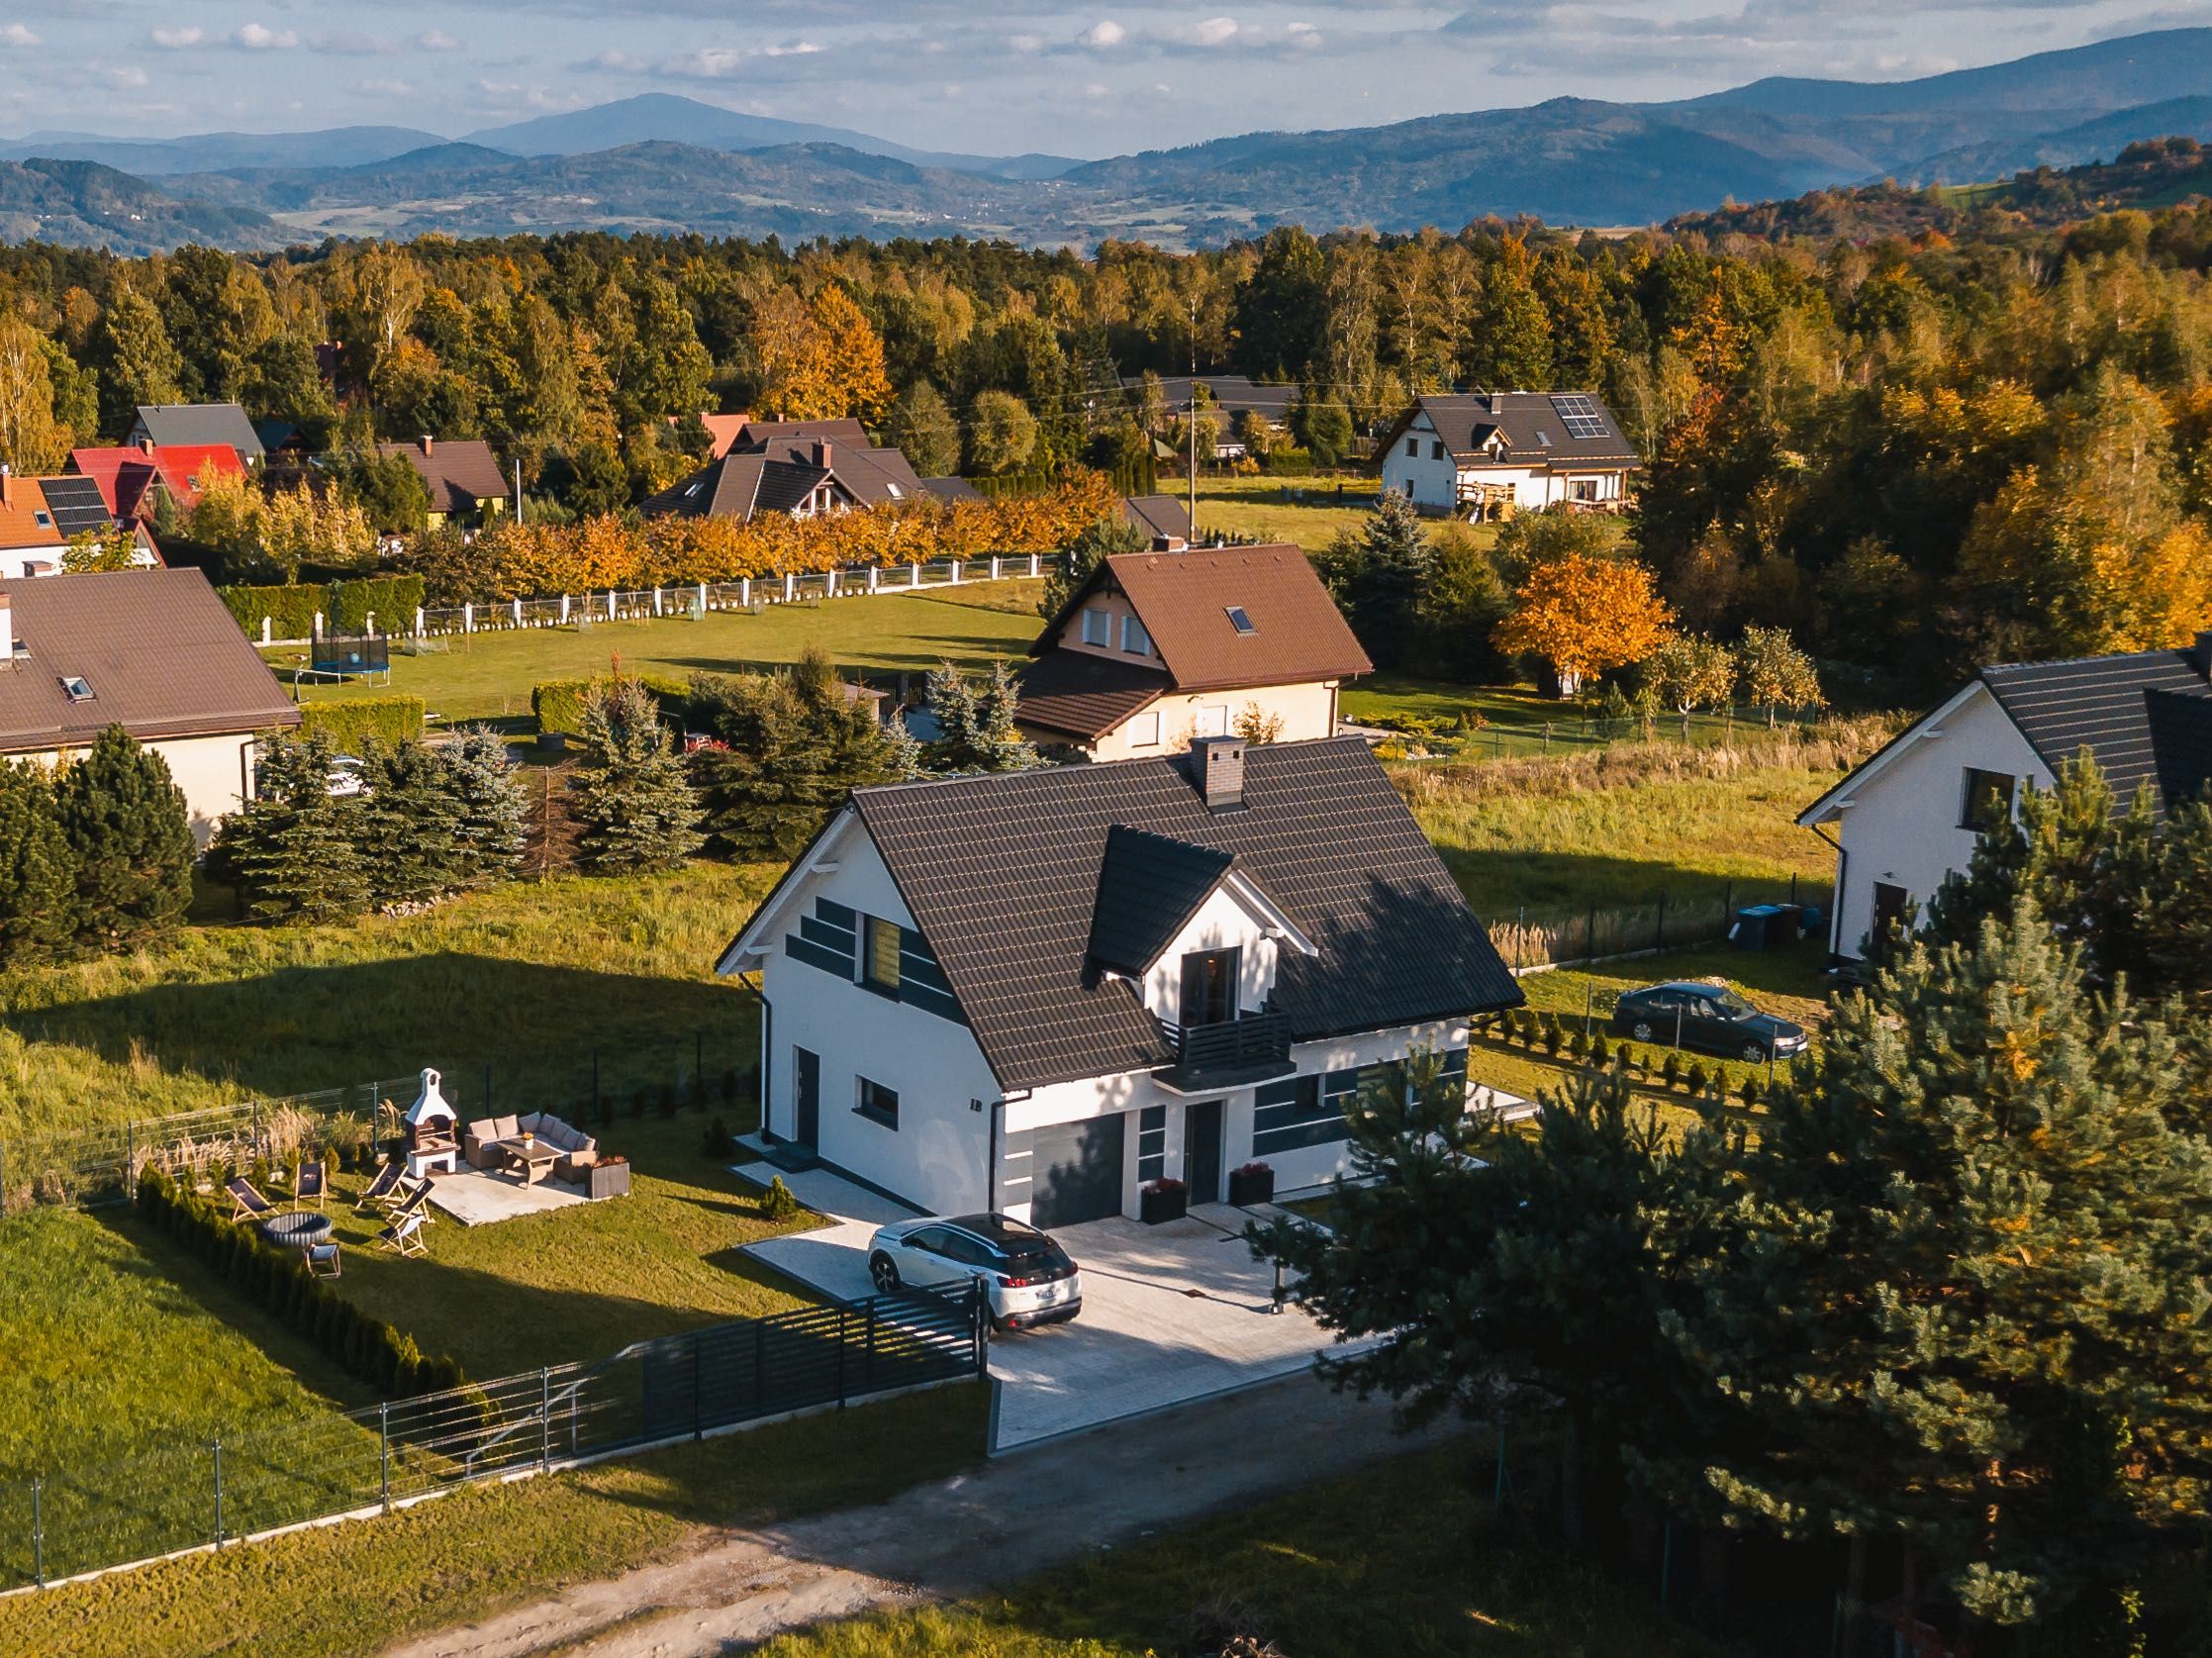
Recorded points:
2097,703
1536,432
952,489
1002,874
1149,886
1159,515
2181,741
186,424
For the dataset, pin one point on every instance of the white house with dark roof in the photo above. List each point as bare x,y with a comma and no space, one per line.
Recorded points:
1907,818
1477,452
799,468
1036,992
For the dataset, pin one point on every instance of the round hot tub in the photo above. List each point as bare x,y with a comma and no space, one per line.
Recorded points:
297,1231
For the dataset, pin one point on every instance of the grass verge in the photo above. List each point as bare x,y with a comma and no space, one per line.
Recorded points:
1306,512
1396,1559
359,1588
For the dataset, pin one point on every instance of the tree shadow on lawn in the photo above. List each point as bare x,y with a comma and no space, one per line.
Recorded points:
299,1030
966,649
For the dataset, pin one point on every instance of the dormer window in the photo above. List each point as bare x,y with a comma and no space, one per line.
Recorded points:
76,688
1134,640
1240,621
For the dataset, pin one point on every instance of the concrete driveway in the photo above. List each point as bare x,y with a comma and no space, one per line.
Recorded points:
1171,1313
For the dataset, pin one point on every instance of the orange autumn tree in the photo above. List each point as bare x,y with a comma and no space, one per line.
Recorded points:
1585,614
819,362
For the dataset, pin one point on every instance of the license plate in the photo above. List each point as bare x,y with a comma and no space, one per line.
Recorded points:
1049,1294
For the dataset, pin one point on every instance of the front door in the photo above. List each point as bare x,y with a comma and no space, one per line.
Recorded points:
1201,1151
806,1097
1890,919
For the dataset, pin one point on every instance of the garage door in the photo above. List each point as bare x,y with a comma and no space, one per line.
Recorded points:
1074,1172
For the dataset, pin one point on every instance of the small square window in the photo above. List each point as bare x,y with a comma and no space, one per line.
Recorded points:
1988,800
1098,629
879,1103
76,688
1144,730
1412,448
1239,621
1134,640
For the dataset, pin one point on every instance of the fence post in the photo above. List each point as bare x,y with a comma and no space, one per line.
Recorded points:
840,1358
913,578
1033,565
656,598
517,613
993,566
868,1360
418,629
1521,932
564,609
976,1332
956,572
746,592
384,1453
702,604
1590,934
544,1417
1727,904
873,573
469,618
218,1493
265,629
698,1365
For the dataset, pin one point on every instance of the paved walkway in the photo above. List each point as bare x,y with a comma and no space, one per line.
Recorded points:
1008,1518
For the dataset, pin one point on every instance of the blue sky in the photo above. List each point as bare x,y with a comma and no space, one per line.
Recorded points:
985,75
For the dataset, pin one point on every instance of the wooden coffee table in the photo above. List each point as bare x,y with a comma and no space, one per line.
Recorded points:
536,1158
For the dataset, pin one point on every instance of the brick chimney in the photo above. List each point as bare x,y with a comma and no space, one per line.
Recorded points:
825,453
1217,768
429,443
1170,543
7,485
146,445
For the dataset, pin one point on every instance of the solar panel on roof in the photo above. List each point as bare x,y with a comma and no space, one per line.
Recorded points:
75,504
1580,414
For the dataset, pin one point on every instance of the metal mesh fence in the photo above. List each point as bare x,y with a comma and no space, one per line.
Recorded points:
188,1494
1666,921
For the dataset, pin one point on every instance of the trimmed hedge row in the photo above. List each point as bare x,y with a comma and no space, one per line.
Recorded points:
558,704
345,606
391,720
370,1348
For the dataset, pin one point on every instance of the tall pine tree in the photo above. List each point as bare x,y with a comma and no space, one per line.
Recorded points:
410,823
37,887
294,849
130,838
634,807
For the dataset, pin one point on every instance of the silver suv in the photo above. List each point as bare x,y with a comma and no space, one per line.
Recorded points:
1026,1278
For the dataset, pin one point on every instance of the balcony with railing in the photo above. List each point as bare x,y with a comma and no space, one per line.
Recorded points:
1227,1054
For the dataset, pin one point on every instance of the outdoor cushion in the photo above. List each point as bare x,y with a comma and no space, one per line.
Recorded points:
504,1128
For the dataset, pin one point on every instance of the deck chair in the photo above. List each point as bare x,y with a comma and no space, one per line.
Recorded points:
404,1235
312,1187
384,1187
246,1201
415,1203
321,1260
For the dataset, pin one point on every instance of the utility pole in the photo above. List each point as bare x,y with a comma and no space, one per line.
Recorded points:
1190,420
518,492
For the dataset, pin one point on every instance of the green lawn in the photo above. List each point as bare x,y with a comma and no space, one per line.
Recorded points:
489,675
339,1591
112,1339
1403,1558
1509,720
584,1281
1304,510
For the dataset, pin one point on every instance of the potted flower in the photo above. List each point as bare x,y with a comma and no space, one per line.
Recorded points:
1252,1184
1162,1199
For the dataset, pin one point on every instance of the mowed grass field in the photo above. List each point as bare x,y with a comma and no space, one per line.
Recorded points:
1306,512
489,675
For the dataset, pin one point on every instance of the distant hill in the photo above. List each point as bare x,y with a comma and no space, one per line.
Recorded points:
81,204
338,147
661,162
660,117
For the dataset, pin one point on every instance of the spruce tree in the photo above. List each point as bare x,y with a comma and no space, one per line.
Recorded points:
294,849
130,838
634,805
1956,1293
409,824
36,880
491,817
976,723
1380,576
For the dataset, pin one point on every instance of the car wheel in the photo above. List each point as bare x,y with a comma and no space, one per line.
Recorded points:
885,1271
1642,1030
1755,1053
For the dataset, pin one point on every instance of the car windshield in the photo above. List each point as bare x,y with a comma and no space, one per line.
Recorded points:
1728,1005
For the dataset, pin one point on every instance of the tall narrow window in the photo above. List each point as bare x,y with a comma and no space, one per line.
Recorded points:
1134,640
1412,448
1152,1142
1098,629
880,966
1210,986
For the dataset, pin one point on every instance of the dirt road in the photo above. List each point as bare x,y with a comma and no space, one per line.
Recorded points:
1004,1520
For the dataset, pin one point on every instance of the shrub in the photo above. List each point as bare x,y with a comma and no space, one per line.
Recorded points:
1600,1051
350,726
345,606
1695,1080
558,704
1552,1034
778,1204
1578,1045
717,1145
1752,1090
1670,1068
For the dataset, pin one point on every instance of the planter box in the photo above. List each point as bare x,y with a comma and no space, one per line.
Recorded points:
608,1178
1164,1204
1248,1188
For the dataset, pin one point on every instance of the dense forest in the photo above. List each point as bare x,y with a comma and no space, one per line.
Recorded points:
1915,451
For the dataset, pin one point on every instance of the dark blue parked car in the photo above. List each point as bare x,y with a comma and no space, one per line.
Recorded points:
1709,1017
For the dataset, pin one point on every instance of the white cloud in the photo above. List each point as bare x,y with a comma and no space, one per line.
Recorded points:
16,35
720,62
129,76
179,40
1215,31
437,40
256,37
1107,32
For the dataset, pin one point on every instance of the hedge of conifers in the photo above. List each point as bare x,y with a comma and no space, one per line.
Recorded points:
345,606
391,720
385,1358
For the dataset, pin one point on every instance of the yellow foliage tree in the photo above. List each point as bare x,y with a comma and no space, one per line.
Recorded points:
1585,614
820,361
31,440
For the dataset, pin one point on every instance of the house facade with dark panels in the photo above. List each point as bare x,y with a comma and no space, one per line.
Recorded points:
1480,451
1907,818
1158,648
1035,992
462,476
155,652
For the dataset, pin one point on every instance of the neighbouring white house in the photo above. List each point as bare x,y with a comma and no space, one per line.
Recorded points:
155,652
1035,992
1159,648
1908,818
1477,454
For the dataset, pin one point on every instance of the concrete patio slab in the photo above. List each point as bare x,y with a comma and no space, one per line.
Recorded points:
824,1192
476,1197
